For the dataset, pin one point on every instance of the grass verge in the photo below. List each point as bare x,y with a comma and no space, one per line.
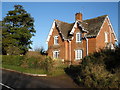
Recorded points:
55,72
24,70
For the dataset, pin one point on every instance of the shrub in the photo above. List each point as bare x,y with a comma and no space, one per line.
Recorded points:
30,62
12,59
39,62
47,64
33,60
74,71
99,70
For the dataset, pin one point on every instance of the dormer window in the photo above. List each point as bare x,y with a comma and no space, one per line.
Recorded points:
55,40
78,37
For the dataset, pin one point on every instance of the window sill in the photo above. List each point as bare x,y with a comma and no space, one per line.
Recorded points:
106,41
78,59
79,42
56,44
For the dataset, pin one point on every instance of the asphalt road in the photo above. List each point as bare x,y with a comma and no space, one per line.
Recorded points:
18,80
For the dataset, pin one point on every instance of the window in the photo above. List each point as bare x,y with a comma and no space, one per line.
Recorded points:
78,37
78,54
106,37
56,40
55,54
112,46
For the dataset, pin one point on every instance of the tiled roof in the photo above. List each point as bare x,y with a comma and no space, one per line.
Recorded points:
91,25
64,28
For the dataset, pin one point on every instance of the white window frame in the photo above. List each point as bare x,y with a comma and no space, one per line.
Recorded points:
78,54
78,37
55,54
106,37
55,40
112,46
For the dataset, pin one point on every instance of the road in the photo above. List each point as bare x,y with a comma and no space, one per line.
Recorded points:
18,80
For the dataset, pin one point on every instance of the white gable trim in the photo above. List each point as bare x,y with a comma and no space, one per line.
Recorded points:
83,28
50,33
110,26
101,26
74,27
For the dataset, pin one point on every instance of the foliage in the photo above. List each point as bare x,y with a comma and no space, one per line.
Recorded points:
39,62
17,30
57,67
34,61
31,62
15,60
47,64
41,50
99,70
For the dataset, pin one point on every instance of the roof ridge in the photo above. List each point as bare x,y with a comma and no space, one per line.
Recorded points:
96,17
62,21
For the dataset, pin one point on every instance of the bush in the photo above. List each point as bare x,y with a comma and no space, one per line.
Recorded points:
74,71
99,70
12,59
39,62
33,60
95,75
47,64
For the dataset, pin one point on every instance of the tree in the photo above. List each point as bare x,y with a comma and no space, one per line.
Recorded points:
18,28
41,50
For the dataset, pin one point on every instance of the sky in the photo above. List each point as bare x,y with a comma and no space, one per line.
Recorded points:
44,14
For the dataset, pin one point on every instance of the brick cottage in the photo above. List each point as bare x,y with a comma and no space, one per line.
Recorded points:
73,41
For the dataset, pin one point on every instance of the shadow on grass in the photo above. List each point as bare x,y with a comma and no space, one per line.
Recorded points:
74,73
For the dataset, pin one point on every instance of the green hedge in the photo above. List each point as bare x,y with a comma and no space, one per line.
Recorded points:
12,59
40,62
99,70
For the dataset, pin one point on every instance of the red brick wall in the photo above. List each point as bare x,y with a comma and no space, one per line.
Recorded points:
66,44
75,45
60,47
91,45
100,40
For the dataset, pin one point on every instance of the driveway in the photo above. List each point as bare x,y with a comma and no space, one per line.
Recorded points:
18,80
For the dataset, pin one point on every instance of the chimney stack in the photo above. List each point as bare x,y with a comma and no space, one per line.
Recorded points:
78,17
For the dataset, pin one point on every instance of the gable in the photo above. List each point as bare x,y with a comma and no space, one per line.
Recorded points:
107,20
51,30
93,25
111,28
78,25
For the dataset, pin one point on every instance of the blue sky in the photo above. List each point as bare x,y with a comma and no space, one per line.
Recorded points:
44,14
